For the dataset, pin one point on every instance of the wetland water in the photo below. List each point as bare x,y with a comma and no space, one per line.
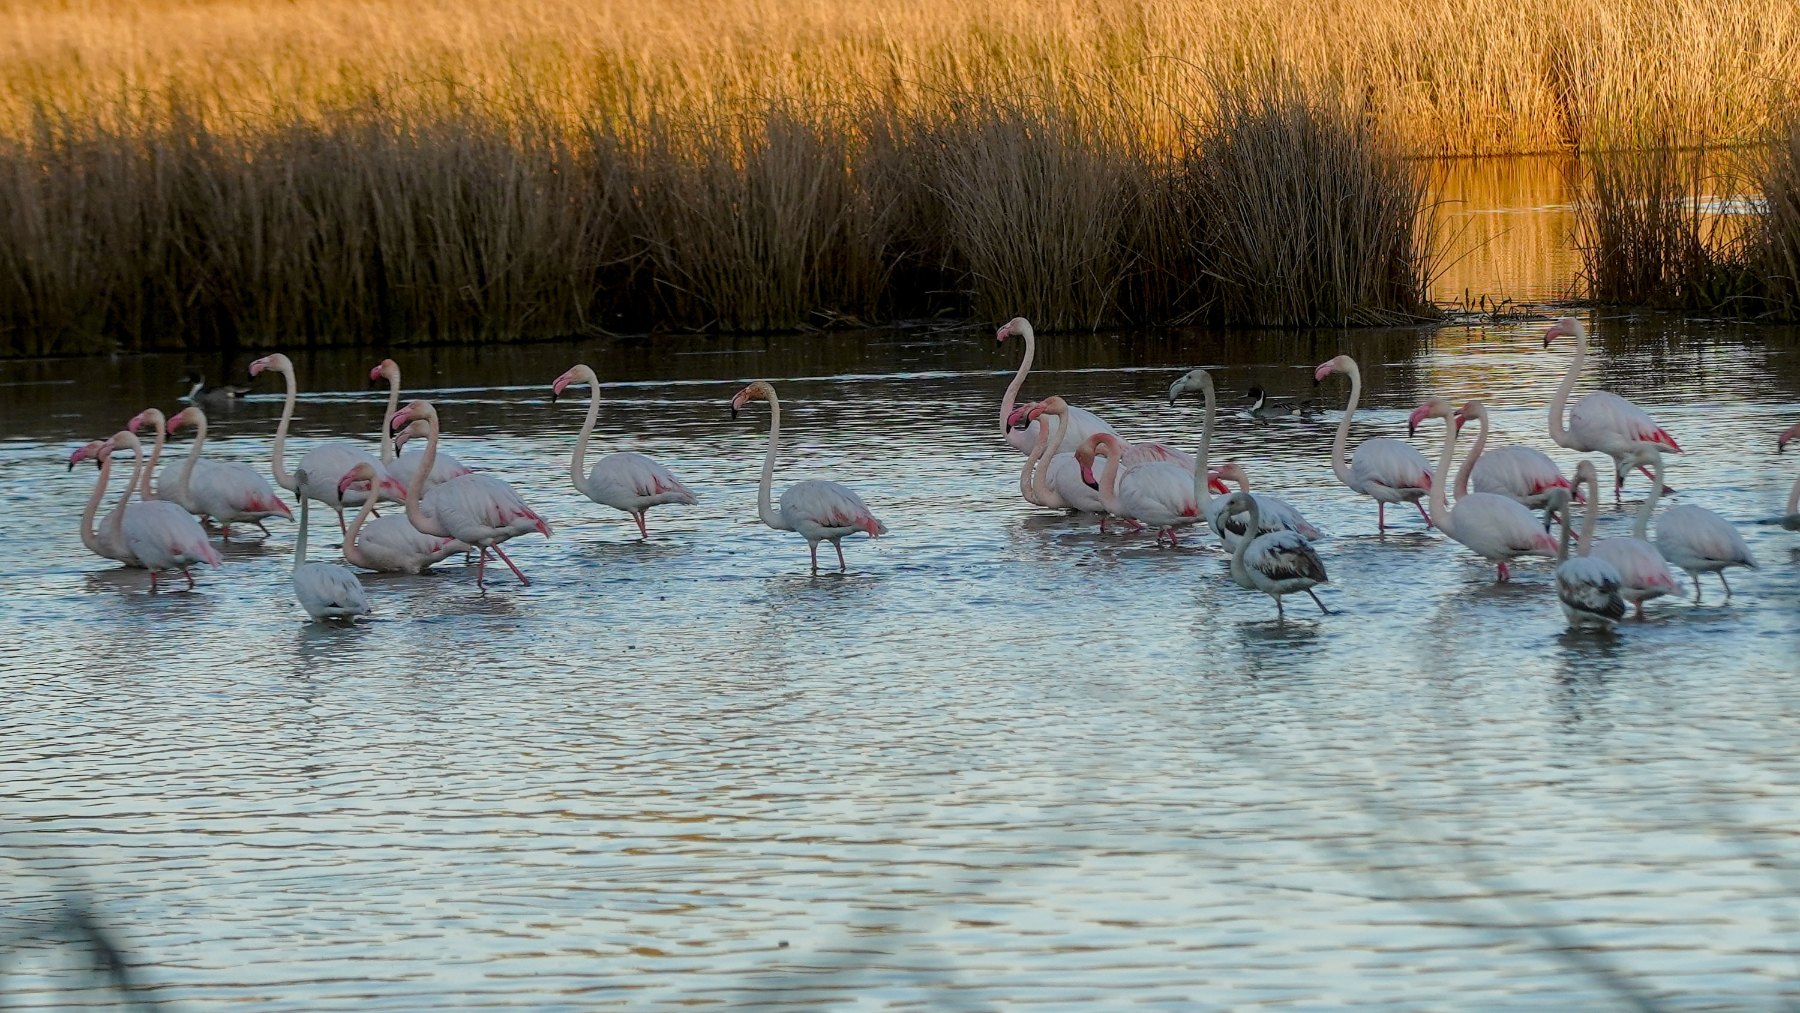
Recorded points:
1004,761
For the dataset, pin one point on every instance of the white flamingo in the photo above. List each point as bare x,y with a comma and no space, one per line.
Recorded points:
1082,423
323,464
167,480
1276,514
324,590
1157,493
1521,473
1276,563
1494,527
1060,475
159,534
400,465
1033,485
1588,587
390,544
1601,421
226,491
1640,564
1272,514
1790,518
1386,470
478,510
625,480
101,539
1700,541
816,510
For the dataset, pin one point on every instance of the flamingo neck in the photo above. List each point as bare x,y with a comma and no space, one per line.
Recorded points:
1018,380
278,465
1793,503
90,536
300,537
193,457
1339,466
414,489
1041,482
1028,483
1559,433
1252,525
352,551
116,520
578,473
144,490
765,509
1640,528
388,451
1468,465
1202,494
1109,480
1590,516
1440,506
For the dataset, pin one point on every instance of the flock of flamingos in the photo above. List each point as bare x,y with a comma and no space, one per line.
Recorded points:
449,509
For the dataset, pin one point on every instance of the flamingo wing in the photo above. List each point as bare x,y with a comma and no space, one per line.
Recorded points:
1499,527
631,481
1160,492
1694,537
1391,464
1591,587
1285,556
1603,421
329,591
820,504
1519,472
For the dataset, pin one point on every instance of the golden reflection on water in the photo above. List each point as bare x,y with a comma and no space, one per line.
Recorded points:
1506,229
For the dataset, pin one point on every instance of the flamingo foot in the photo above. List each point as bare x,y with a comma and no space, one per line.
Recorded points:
643,532
1319,603
1280,613
839,546
518,572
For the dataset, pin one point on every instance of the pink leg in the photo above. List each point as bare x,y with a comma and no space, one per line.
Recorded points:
1103,524
840,547
152,581
345,528
520,573
265,531
1423,514
481,568
189,576
224,531
813,547
643,532
1504,574
1380,516
1647,474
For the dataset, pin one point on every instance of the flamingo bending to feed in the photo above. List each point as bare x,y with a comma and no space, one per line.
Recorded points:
1791,517
1588,587
1386,470
478,509
1601,421
1641,566
1273,514
325,590
1519,473
1158,493
1033,486
816,510
445,468
1275,563
322,463
1700,541
1060,475
1495,527
625,480
102,540
168,480
159,534
226,491
390,544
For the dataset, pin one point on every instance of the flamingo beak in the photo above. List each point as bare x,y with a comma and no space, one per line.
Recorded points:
1020,418
258,366
1005,329
1412,421
1787,435
1087,477
1217,485
1324,370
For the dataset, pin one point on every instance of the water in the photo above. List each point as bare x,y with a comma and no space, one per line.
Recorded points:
1004,761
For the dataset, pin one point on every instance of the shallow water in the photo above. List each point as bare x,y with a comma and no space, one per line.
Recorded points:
1003,761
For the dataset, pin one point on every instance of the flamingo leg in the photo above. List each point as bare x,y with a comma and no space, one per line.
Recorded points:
1722,580
642,531
345,528
1173,541
1103,524
1639,614
813,547
1280,613
508,559
265,531
152,581
190,577
1694,575
1423,514
1504,575
839,546
481,568
1319,603
1647,474
1380,517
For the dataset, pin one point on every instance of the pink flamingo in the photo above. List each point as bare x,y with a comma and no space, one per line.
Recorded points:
1158,493
226,491
1601,421
1496,528
1033,486
1519,473
625,480
168,480
1644,572
324,463
390,544
161,535
1082,423
101,540
1589,587
1383,469
446,467
478,510
1791,518
1059,476
814,509
1700,541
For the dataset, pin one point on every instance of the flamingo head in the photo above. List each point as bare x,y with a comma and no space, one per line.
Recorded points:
123,438
277,362
757,391
413,412
1193,379
1099,444
1340,364
412,431
152,416
1052,405
363,474
191,415
1236,503
1564,327
88,452
1787,434
1436,408
386,369
577,373
1016,326
1023,414
1215,481
1230,471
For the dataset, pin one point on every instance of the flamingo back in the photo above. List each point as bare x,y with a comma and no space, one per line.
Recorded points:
480,509
1641,567
1605,422
393,545
821,509
1521,473
630,481
329,591
1695,538
1082,424
230,492
1160,493
164,536
326,463
1064,478
1382,465
1499,528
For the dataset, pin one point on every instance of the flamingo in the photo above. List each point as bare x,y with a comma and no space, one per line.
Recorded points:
1791,517
1383,469
814,509
1519,473
1082,422
478,510
159,534
625,480
446,467
1033,487
1061,474
1277,514
1700,541
1158,493
1227,526
390,544
228,492
101,540
168,481
1601,421
1588,586
325,590
1275,563
1494,527
1641,566
323,461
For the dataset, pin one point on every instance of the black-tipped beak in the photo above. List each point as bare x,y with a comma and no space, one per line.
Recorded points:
734,413
71,465
553,395
1091,485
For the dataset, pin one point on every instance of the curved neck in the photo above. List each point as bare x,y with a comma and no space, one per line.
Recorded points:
577,473
1028,475
1202,494
387,420
1041,483
90,537
144,491
1440,506
116,520
1252,525
414,489
1018,380
278,465
1109,480
1589,516
1339,466
1641,527
300,538
1558,433
193,457
764,508
1468,465
352,551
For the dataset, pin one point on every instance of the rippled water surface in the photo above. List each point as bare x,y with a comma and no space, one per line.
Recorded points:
1005,761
